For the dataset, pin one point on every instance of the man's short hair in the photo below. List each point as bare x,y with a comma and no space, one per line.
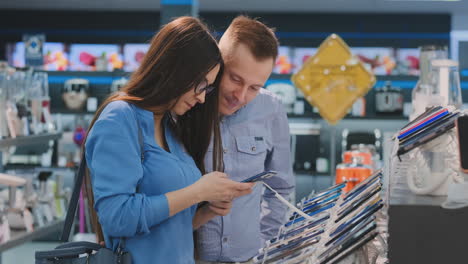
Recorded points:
259,38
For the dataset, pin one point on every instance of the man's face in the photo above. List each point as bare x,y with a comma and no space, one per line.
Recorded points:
242,79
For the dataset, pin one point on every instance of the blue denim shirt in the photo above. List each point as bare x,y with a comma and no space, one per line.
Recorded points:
255,139
142,217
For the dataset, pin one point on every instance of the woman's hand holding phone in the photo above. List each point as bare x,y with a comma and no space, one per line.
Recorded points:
216,186
216,192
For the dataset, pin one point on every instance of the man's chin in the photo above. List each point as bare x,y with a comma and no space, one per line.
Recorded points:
227,111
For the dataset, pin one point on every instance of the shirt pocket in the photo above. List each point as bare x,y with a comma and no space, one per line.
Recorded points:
251,145
251,154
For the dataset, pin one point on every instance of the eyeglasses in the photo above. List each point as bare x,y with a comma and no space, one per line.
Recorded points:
204,87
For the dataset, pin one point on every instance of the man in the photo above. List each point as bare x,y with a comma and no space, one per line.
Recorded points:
255,135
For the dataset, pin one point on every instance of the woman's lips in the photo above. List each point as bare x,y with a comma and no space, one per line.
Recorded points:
189,105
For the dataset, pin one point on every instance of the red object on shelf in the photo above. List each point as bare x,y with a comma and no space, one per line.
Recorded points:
87,59
353,174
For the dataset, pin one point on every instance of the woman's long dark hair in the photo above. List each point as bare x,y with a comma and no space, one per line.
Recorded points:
179,57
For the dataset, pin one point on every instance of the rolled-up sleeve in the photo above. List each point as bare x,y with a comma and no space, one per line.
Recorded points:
278,159
113,156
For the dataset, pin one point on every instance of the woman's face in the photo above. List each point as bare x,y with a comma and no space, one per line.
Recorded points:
191,98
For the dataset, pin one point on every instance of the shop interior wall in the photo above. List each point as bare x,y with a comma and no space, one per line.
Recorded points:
397,30
301,30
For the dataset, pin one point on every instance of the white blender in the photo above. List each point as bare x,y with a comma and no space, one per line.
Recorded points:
434,166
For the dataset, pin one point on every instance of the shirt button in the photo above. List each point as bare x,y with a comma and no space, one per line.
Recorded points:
254,148
225,240
224,151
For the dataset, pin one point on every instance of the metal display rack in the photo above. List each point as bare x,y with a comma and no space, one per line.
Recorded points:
29,140
21,237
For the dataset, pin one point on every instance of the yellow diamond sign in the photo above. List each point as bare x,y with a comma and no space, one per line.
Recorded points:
333,79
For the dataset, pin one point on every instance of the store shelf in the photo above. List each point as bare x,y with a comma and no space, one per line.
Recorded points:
410,199
349,117
21,237
383,77
29,140
72,112
311,174
91,73
304,128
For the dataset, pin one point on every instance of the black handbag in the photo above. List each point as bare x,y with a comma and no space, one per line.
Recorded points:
84,252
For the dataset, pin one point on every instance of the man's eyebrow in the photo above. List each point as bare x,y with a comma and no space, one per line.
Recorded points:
243,80
236,75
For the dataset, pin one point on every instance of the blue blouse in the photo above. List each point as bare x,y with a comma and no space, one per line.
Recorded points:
117,172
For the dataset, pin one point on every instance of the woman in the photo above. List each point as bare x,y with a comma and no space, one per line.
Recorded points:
149,195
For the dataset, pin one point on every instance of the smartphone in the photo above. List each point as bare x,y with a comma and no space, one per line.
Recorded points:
292,246
347,210
343,235
315,212
430,126
428,135
424,123
431,110
299,229
287,253
296,242
367,212
359,189
287,240
362,185
327,192
261,176
462,133
433,125
358,230
323,200
313,208
350,247
423,118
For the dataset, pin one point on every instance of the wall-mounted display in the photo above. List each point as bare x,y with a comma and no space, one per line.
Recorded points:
300,57
378,60
407,61
133,55
95,57
283,64
55,56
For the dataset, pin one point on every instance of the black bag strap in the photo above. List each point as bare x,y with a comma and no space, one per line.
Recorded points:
71,212
74,200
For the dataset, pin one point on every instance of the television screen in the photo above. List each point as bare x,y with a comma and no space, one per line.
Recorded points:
380,61
17,55
133,55
55,57
408,61
300,57
283,63
85,57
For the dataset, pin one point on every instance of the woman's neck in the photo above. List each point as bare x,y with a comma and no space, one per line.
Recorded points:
159,132
158,119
